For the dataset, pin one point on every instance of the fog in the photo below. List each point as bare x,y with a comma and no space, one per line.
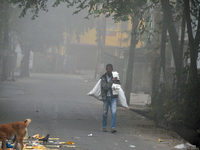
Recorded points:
51,33
60,42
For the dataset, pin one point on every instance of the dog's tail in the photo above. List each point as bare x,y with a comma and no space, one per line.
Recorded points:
27,121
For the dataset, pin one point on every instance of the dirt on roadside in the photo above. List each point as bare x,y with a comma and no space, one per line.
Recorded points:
146,128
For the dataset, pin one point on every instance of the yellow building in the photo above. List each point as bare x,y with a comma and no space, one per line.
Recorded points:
85,50
116,35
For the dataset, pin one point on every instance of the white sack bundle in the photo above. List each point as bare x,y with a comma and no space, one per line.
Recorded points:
115,88
122,99
96,92
115,74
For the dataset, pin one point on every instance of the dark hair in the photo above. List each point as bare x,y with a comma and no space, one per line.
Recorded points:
109,65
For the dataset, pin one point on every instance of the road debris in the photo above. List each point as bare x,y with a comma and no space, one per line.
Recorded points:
133,146
180,146
34,142
76,137
164,142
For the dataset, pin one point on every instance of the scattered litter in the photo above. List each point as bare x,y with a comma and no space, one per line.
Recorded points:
69,146
126,140
76,137
28,147
164,142
133,146
52,145
36,136
8,145
57,142
180,146
159,140
39,147
54,139
190,145
34,143
69,143
89,134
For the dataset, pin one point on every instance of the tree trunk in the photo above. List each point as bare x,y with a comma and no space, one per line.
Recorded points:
103,26
182,35
25,62
193,50
99,42
6,43
197,37
162,71
177,53
193,47
173,35
129,74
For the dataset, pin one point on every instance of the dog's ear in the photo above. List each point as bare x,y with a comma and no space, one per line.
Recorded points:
27,121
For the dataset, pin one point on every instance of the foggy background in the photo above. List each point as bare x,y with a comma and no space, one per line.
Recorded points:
60,42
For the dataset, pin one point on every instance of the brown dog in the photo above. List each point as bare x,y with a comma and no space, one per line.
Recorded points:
9,130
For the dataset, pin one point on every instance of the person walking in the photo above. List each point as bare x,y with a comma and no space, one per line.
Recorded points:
108,98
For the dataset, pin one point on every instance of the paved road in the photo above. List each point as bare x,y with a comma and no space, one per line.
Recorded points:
58,105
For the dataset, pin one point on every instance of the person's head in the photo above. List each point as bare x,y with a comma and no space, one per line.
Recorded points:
109,69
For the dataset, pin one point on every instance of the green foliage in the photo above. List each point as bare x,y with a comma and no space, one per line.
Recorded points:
46,28
186,110
34,5
121,10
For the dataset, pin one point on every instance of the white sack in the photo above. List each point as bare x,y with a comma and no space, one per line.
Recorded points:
115,74
96,91
121,98
115,88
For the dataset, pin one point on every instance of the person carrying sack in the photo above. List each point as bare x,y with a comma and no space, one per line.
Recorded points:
109,99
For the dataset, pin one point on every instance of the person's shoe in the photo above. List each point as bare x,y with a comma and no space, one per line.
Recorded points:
113,130
104,130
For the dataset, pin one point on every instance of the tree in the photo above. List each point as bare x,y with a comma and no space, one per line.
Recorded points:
187,104
186,12
6,49
120,11
39,31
